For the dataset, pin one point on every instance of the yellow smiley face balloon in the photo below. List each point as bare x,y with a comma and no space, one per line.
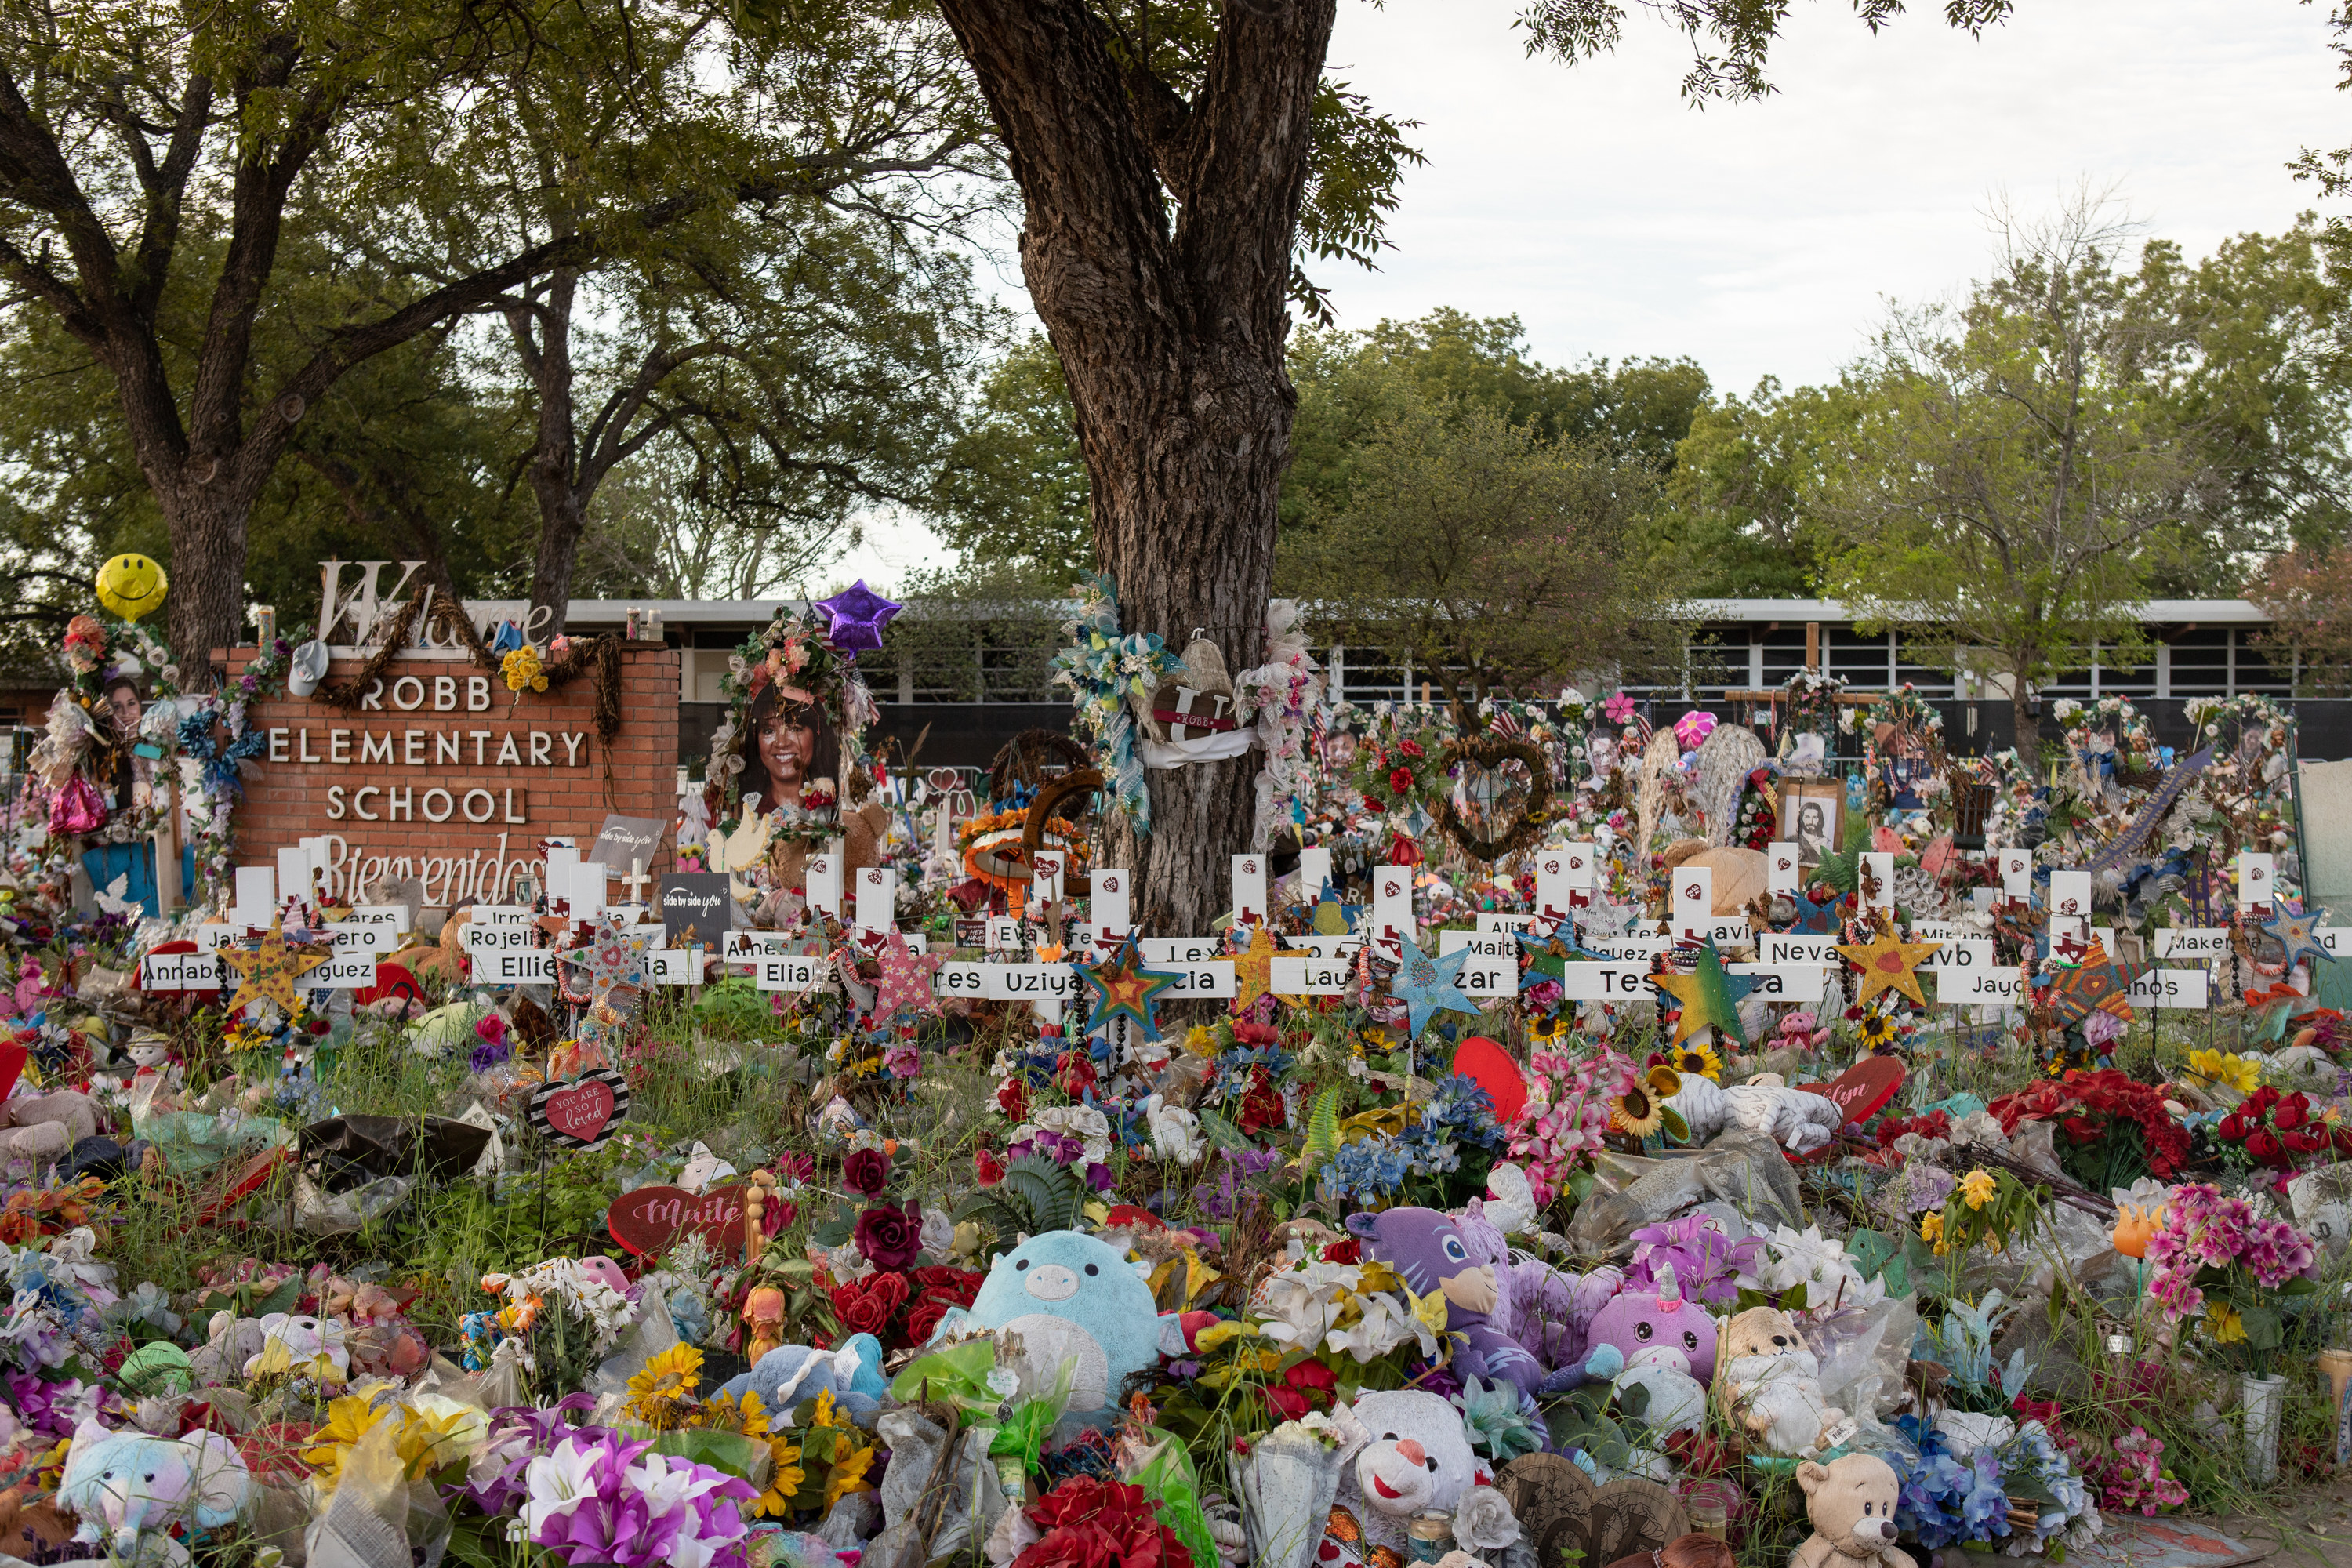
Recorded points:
132,586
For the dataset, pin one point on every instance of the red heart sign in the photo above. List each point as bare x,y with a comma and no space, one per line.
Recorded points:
1864,1088
1491,1067
581,1113
647,1221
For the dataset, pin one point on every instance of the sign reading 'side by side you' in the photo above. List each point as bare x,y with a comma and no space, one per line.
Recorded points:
440,774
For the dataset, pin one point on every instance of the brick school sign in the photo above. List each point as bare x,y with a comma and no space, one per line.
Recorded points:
441,774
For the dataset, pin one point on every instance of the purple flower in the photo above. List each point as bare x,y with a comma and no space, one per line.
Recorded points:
489,1054
1254,1162
603,1499
1098,1176
1705,1260
903,1061
48,1408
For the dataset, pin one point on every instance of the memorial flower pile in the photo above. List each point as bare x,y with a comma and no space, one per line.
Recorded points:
931,1205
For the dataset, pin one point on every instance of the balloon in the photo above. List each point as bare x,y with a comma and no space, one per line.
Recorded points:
131,586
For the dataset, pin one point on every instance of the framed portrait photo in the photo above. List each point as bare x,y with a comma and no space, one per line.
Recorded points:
1812,816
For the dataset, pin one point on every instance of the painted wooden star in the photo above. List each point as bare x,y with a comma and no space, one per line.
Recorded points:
1812,918
270,970
2294,933
905,980
1426,985
1253,970
1548,956
1709,995
1889,963
1123,988
2097,985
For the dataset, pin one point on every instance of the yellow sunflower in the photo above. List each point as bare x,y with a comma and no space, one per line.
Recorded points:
849,1475
1976,1186
784,1481
664,1393
724,1413
1876,1031
1637,1111
1549,1029
1699,1059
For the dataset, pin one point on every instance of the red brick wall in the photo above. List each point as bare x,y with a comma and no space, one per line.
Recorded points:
566,794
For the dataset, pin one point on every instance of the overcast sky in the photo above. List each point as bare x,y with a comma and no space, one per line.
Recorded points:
1761,239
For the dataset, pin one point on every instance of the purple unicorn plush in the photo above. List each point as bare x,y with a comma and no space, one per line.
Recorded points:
1429,1250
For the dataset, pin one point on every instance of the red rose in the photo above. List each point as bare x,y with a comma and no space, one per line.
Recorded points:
1314,1380
1078,1073
865,1306
1371,805
2231,1129
1412,749
1348,1252
2308,1139
1262,1105
2264,1146
939,1282
1013,1099
1091,1523
2291,1113
1288,1404
922,1319
1400,780
867,1171
890,1238
988,1167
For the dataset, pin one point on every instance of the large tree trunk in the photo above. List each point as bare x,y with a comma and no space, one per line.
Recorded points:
206,609
1172,343
542,337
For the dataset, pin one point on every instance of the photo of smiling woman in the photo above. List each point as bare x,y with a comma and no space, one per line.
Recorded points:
786,743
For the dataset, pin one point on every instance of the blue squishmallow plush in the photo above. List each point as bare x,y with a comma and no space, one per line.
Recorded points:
1075,1301
790,1374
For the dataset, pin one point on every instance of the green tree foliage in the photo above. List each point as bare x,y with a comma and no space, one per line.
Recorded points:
1738,521
800,330
2020,465
1496,557
1014,485
1352,384
1011,490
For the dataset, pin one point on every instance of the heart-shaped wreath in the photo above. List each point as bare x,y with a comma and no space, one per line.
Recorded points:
1488,751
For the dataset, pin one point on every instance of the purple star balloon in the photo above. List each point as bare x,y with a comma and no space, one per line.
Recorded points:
858,617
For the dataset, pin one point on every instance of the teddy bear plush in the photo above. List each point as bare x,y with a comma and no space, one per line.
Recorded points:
129,1487
1851,1502
790,1374
301,1345
1416,1457
1768,1384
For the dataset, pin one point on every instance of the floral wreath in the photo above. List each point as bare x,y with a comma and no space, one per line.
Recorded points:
1811,700
2251,709
1102,665
2135,739
1399,766
797,650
